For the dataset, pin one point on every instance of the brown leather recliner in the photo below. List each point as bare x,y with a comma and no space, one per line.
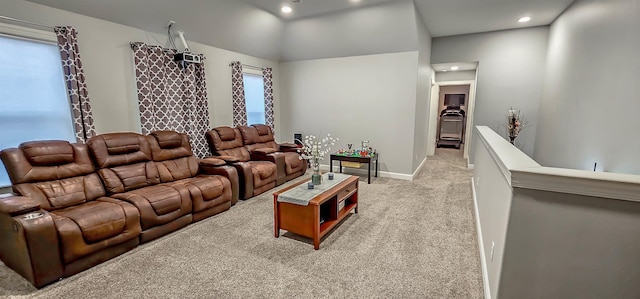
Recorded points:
126,166
59,221
178,168
259,141
255,176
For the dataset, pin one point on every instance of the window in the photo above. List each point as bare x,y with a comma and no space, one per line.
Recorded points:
33,96
254,98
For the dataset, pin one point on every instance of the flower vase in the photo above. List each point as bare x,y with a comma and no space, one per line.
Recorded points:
316,177
512,139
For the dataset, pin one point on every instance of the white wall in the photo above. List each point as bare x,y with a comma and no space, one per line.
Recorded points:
455,76
511,66
423,93
356,98
591,98
108,65
386,28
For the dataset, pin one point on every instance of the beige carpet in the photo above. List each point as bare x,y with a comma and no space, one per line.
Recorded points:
409,240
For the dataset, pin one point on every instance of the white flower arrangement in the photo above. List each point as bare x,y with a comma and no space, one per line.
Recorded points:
314,149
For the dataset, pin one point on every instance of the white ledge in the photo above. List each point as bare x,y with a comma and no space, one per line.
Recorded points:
523,172
582,182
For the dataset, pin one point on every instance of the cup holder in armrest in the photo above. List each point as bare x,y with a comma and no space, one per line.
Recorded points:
31,216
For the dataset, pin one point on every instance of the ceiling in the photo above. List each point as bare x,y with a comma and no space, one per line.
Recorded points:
258,27
442,17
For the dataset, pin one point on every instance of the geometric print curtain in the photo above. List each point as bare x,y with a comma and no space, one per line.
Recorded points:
75,82
171,96
237,88
267,76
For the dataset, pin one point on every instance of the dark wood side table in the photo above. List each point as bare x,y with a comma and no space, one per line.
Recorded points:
351,158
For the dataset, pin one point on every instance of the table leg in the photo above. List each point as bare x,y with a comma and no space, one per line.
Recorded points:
330,165
369,172
340,166
377,166
316,227
276,224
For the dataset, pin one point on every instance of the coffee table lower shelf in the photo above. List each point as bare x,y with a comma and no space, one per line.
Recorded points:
305,220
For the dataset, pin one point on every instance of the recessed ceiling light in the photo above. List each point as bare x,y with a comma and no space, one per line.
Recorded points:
454,68
286,9
444,70
524,19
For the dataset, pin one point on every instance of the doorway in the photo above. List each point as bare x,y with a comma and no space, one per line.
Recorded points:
439,90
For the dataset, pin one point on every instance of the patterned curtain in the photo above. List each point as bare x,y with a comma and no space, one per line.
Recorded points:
267,76
75,80
171,96
239,106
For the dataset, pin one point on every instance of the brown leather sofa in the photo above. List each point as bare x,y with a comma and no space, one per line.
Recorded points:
259,141
163,183
60,222
66,216
255,176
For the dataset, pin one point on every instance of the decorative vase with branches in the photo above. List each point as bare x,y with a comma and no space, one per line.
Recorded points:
515,123
313,150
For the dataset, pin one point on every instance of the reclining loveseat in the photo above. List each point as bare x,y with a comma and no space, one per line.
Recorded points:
75,205
259,141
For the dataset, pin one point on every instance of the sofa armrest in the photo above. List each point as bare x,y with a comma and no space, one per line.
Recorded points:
14,205
212,162
30,246
228,159
264,151
289,147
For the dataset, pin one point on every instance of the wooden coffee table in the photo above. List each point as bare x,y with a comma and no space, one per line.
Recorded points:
332,206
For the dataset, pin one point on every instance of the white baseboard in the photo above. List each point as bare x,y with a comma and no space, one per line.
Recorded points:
415,173
470,166
483,259
382,174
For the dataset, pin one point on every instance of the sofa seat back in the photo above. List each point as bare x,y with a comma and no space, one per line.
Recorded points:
226,141
179,169
129,173
55,173
257,136
173,156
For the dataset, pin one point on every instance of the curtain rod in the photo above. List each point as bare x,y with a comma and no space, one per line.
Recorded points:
25,22
251,67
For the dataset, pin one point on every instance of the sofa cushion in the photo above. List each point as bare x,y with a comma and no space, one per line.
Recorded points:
116,149
169,145
167,139
58,194
226,133
264,168
48,153
205,191
92,227
293,163
22,170
158,204
97,220
129,177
